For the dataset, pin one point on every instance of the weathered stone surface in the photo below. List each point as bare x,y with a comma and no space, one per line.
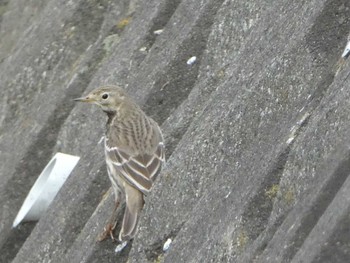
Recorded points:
256,129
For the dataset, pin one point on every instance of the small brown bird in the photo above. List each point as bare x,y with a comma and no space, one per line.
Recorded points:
134,151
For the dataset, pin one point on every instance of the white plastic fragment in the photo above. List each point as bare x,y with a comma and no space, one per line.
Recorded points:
158,32
191,60
120,247
346,52
46,187
167,244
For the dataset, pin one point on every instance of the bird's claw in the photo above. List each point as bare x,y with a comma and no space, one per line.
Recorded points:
107,231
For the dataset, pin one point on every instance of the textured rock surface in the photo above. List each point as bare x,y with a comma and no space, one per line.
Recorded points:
257,129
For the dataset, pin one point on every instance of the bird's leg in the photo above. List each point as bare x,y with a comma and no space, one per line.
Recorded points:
113,220
108,229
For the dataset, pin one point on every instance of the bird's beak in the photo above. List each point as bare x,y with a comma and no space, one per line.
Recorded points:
84,99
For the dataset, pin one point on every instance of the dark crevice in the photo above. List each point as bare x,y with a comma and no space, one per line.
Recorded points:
160,21
83,212
3,7
268,236
86,21
173,85
325,197
257,213
40,150
105,249
326,40
261,206
15,240
336,249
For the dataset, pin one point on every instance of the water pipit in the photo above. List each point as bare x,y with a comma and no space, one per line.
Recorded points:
134,151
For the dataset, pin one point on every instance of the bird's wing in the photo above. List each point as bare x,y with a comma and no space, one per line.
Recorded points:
139,170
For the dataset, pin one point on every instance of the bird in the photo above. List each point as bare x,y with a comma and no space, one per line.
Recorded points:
134,151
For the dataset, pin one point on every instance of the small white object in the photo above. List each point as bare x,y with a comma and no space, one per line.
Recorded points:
167,244
346,52
46,187
158,32
191,60
120,247
226,196
290,139
101,140
295,129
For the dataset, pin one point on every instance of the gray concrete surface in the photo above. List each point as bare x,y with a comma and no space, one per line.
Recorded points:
257,128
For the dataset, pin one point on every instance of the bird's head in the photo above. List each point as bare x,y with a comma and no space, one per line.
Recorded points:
109,98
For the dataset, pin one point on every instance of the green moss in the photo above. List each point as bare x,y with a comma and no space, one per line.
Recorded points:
242,240
221,73
289,196
271,193
123,23
159,259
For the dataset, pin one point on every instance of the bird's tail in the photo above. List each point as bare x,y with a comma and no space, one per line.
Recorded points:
134,205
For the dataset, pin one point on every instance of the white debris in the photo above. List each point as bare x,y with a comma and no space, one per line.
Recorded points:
191,60
167,244
295,129
101,140
143,49
346,52
120,247
290,139
158,32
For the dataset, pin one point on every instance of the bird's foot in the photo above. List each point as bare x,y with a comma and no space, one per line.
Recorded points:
107,231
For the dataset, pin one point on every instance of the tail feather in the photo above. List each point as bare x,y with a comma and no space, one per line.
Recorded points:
129,227
134,204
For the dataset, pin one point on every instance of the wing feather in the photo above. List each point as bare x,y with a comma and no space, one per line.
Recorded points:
141,170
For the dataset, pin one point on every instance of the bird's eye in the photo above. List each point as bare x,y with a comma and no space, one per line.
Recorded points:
105,96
